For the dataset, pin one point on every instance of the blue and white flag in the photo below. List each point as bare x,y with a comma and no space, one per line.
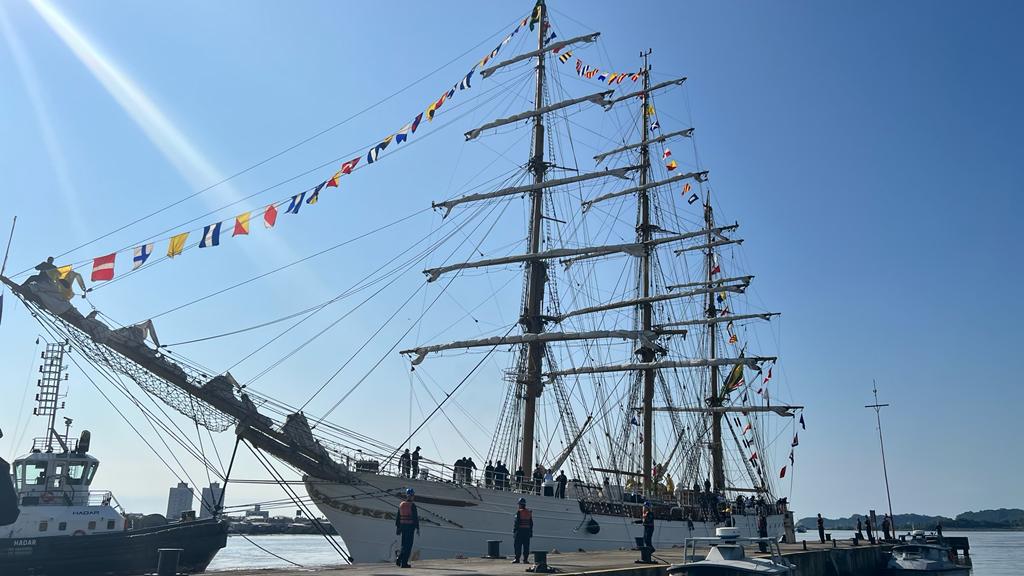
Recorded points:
655,126
403,133
464,83
211,236
296,203
141,254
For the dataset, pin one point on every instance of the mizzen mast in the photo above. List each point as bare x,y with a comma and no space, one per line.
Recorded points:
536,270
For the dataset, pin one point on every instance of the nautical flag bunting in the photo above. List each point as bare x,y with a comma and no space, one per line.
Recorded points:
270,216
691,199
415,125
211,236
403,134
565,57
141,254
296,203
241,224
177,245
315,196
103,268
349,166
666,154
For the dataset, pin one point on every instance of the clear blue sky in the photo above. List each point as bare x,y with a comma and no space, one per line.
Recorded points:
871,151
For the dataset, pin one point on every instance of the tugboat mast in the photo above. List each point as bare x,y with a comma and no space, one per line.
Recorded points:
536,270
646,309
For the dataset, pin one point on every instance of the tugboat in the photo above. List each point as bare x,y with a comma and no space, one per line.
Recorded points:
63,526
924,556
728,558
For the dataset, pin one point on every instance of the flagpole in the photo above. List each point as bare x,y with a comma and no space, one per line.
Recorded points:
878,408
7,251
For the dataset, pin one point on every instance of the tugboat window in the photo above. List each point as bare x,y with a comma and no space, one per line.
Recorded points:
92,525
62,526
110,524
76,473
30,474
43,525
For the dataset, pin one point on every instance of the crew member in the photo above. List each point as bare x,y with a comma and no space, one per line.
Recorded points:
762,531
860,528
821,528
519,478
416,462
404,462
522,531
868,527
489,475
562,481
406,522
647,519
886,526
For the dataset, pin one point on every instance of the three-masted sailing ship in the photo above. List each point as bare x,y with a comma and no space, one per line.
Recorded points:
652,317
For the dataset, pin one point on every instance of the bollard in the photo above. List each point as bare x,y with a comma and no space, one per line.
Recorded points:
645,556
805,545
494,550
540,563
167,561
833,543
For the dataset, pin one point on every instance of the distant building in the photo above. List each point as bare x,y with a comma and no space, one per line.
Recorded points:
179,500
255,512
211,498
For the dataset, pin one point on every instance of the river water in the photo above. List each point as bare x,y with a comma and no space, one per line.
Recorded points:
994,553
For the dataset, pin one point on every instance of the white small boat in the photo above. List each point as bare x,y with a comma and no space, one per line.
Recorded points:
727,557
923,557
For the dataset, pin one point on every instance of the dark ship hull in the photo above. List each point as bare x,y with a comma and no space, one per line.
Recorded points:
126,553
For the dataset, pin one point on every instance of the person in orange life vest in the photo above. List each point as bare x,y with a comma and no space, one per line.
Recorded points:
406,522
647,519
522,529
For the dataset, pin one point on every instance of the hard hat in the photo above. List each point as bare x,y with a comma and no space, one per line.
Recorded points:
522,501
409,491
647,503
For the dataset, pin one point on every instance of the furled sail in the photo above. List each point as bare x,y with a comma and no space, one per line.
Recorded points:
720,319
738,288
684,133
749,361
600,98
553,47
698,176
657,86
647,338
449,204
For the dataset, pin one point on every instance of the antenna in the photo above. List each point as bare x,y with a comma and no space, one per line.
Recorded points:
878,416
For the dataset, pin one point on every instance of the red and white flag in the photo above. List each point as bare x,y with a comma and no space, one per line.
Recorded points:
103,268
270,216
768,377
666,154
782,473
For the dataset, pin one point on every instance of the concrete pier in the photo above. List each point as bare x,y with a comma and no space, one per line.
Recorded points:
841,559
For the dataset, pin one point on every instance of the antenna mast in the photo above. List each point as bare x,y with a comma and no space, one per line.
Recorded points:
48,399
878,417
536,270
646,310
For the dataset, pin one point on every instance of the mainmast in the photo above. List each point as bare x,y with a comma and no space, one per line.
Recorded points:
643,231
715,401
536,270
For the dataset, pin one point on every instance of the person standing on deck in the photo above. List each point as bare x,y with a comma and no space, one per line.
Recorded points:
821,528
416,462
938,529
860,535
522,531
886,526
404,462
562,481
762,531
489,475
538,479
501,476
519,478
868,527
470,467
406,522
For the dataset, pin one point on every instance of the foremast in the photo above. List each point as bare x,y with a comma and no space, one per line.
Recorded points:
536,270
715,399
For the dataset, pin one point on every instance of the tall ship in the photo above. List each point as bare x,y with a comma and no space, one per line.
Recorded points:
624,364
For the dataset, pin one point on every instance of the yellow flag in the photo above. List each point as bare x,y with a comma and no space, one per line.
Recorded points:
63,271
650,109
176,245
241,224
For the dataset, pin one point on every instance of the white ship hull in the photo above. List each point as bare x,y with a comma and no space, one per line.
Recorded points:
459,520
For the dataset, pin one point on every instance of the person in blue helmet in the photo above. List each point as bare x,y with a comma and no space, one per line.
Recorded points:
406,522
522,530
647,519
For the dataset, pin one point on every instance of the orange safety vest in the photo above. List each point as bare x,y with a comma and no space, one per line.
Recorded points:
405,513
525,517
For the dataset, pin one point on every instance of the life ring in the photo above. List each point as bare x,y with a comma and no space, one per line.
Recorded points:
47,497
78,533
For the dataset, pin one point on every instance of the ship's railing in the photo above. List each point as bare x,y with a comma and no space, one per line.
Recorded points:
43,444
